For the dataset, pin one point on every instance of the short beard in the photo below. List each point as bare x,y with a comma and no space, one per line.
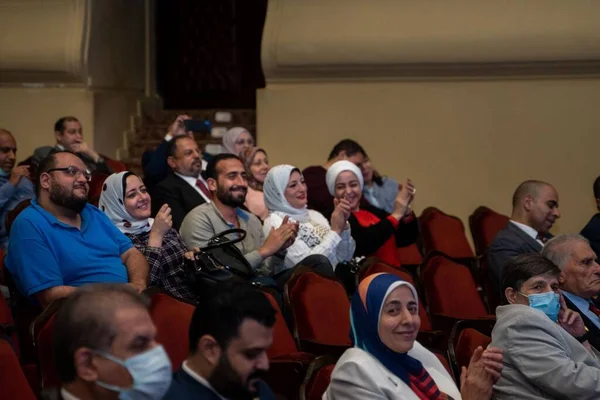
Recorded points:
228,384
226,197
62,197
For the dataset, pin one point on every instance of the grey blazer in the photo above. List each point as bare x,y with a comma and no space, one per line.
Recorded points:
541,360
508,243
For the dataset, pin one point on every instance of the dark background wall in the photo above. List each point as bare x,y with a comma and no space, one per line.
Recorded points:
208,52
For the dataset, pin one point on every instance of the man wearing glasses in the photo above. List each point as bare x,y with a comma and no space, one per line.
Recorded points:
61,242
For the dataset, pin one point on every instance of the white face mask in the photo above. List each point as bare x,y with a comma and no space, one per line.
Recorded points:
151,373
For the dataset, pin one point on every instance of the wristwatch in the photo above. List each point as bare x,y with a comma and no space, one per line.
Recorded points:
584,337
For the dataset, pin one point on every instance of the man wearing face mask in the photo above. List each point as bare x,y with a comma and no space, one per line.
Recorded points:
546,352
15,182
230,334
105,347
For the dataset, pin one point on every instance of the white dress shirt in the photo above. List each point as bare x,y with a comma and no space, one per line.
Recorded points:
66,395
192,182
529,231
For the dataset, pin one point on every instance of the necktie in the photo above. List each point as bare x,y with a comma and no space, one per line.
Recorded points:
542,238
203,188
594,309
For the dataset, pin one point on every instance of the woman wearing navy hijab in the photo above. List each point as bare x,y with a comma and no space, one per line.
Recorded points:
387,362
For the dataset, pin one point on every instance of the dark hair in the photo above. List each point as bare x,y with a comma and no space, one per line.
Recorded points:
530,188
86,319
172,144
597,188
349,146
523,267
211,168
224,307
59,126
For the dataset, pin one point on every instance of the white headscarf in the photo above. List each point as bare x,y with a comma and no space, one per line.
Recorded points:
337,168
112,202
274,188
230,137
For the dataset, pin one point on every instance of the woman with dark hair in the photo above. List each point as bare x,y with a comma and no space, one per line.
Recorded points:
127,204
379,191
256,164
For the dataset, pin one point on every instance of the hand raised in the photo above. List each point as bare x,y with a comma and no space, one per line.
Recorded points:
570,320
177,128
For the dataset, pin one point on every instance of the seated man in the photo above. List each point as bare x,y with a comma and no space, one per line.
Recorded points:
546,352
592,230
184,188
318,194
230,334
15,182
579,279
105,346
69,137
226,178
61,242
535,209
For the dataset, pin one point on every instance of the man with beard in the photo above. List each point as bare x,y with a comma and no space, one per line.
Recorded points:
226,179
184,188
535,209
69,137
230,334
15,182
61,242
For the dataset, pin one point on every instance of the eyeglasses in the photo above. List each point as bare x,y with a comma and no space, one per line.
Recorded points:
74,172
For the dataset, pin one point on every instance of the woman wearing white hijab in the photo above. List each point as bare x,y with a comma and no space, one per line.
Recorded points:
126,202
286,196
236,140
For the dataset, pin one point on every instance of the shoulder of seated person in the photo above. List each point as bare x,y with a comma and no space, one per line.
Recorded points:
522,314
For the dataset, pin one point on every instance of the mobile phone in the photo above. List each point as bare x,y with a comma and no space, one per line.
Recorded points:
197,125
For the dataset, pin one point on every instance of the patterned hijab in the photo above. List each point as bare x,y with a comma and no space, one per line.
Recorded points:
274,188
112,202
248,158
230,137
365,314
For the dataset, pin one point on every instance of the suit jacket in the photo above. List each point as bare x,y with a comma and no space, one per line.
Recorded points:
541,360
185,387
360,376
179,195
592,233
594,331
508,243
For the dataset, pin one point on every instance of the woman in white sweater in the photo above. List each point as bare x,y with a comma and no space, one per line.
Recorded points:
286,196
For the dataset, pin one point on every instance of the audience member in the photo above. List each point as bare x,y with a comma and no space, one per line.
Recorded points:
548,355
69,137
592,230
285,196
236,140
230,334
319,197
379,191
105,346
579,279
127,203
535,209
257,165
184,188
375,231
226,179
387,362
61,242
15,182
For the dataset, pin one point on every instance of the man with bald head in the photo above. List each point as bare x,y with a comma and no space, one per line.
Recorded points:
579,279
15,182
61,242
535,209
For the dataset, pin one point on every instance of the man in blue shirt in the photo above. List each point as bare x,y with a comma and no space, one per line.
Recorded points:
61,242
230,333
15,182
579,279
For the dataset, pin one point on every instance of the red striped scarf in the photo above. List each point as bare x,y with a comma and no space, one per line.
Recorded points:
425,388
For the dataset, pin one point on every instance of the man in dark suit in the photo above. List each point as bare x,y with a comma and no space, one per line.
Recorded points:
535,209
184,188
579,279
230,333
592,230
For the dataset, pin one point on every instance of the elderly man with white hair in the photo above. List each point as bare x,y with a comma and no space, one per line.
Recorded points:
579,279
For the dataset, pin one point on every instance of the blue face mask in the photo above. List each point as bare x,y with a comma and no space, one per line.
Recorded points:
548,303
151,373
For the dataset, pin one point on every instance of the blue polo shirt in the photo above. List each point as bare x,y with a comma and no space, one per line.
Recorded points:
44,252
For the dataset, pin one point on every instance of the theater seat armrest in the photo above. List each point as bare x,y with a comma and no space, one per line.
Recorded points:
319,349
